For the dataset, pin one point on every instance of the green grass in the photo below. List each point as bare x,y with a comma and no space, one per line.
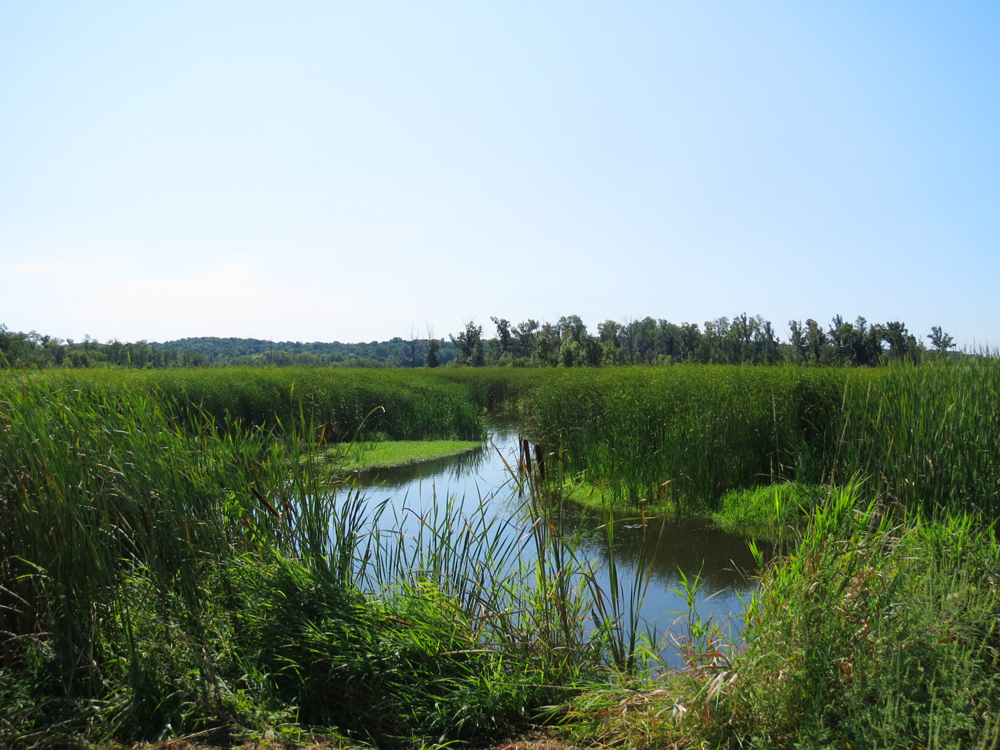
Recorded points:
382,455
765,513
163,574
880,630
173,560
689,435
773,512
340,404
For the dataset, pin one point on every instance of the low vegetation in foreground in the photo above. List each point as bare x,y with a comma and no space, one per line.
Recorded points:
880,631
175,562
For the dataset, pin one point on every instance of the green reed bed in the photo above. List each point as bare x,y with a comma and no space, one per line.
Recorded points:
880,630
161,575
926,436
174,560
343,404
689,434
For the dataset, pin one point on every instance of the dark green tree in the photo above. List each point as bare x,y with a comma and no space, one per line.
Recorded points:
523,340
797,341
940,340
690,341
895,335
547,344
716,346
471,349
816,340
571,327
431,358
644,338
501,348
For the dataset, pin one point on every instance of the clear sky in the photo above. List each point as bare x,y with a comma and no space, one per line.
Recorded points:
346,171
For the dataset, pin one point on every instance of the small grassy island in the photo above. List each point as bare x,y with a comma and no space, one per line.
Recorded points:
391,453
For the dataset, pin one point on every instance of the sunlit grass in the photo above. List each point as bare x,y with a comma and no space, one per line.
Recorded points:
390,453
880,630
173,561
163,574
772,512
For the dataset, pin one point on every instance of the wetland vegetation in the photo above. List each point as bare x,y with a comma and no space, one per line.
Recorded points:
175,562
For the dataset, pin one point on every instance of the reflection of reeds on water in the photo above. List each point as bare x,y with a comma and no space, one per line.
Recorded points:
670,545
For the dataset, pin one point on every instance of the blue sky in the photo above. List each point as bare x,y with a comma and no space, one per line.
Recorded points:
347,171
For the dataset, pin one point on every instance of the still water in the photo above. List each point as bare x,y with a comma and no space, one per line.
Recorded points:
481,478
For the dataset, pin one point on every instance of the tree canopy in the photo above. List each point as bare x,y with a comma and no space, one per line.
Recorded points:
742,340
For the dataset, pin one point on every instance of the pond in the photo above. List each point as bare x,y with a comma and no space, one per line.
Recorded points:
670,549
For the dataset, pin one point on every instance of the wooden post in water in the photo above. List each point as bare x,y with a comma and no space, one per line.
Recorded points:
540,460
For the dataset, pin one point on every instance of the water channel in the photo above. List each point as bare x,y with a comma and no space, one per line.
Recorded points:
481,478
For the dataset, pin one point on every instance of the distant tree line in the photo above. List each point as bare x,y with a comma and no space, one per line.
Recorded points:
35,350
566,343
740,340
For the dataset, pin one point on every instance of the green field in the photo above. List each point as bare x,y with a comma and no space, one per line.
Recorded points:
173,561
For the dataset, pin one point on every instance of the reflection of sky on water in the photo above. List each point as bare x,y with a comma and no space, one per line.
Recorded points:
723,562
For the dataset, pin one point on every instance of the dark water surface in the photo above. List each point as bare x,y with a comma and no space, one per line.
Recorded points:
481,477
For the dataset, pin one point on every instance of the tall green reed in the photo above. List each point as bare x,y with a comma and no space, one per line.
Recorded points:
702,430
162,574
585,610
880,631
688,435
339,403
926,436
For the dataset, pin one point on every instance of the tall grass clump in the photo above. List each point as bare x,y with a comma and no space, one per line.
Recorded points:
689,434
773,511
925,436
880,630
116,525
342,404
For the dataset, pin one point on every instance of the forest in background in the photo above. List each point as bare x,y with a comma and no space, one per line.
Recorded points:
566,343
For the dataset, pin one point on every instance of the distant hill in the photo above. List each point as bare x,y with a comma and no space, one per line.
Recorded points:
396,352
33,349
